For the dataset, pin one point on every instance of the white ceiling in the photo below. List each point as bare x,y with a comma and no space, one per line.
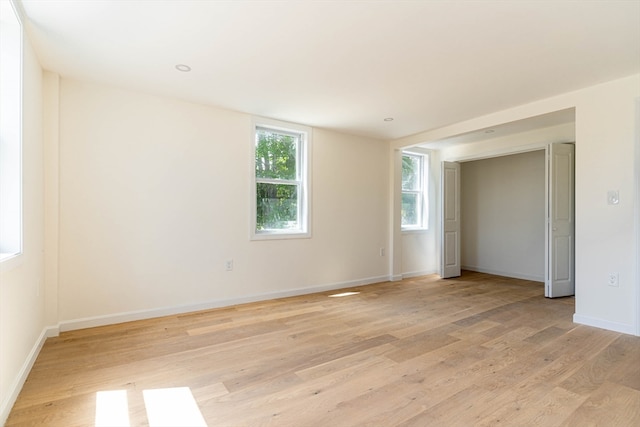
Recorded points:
343,65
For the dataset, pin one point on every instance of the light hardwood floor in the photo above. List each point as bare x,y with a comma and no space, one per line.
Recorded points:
479,350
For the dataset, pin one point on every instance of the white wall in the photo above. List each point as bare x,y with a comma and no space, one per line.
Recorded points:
21,278
154,197
605,135
503,215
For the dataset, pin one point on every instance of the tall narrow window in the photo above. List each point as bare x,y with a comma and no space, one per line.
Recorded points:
281,191
10,132
413,191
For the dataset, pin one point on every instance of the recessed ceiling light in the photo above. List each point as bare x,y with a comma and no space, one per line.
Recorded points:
183,68
388,119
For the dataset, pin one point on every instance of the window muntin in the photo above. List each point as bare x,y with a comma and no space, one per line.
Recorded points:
413,210
10,132
280,183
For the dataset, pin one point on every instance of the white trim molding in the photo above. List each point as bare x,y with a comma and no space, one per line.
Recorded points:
15,388
111,319
604,324
411,274
515,275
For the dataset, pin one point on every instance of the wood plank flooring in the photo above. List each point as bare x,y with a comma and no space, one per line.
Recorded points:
479,350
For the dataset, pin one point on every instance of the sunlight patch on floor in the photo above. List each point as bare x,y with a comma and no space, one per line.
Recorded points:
165,407
343,294
172,407
112,409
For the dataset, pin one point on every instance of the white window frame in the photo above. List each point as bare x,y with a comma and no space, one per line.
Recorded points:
303,180
422,192
11,62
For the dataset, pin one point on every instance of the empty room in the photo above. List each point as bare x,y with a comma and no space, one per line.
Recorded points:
309,213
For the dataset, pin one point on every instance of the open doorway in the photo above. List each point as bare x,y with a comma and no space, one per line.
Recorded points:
528,135
518,217
503,215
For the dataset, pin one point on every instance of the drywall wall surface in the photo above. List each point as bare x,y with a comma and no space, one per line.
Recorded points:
21,278
503,215
154,198
605,138
51,171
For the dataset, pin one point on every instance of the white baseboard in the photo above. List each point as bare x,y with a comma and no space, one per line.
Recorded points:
18,382
522,276
411,274
604,324
110,319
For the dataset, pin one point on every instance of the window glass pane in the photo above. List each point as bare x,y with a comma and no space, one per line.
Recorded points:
411,173
410,209
276,155
10,132
277,206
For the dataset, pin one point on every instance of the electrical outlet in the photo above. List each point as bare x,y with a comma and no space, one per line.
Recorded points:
228,265
612,279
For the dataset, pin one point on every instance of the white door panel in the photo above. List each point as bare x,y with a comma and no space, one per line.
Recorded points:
560,280
450,237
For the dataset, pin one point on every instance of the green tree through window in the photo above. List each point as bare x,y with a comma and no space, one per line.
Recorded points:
278,179
412,213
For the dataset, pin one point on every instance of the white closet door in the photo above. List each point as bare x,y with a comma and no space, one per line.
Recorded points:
450,238
560,268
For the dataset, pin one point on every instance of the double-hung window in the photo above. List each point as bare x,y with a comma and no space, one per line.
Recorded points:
280,181
10,132
414,202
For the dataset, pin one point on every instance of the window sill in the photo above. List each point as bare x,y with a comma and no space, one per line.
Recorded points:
8,261
280,235
6,256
